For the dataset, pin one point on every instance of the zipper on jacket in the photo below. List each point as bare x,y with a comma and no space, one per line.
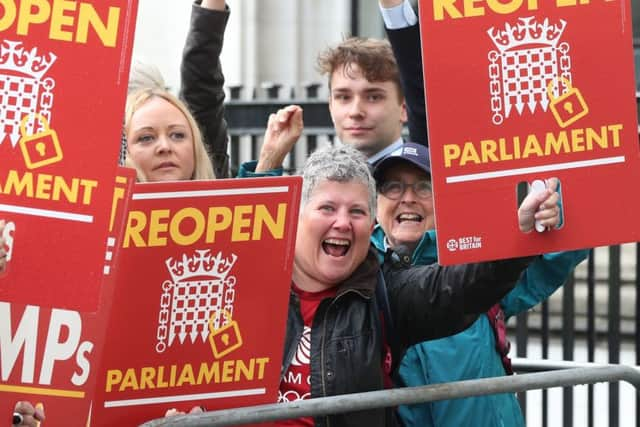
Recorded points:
324,336
286,360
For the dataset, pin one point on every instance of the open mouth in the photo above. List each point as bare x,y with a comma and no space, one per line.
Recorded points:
336,247
413,217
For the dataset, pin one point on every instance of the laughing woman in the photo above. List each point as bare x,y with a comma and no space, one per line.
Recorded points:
335,342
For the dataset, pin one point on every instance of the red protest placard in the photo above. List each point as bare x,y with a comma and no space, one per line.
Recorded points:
63,76
48,356
124,183
199,310
520,91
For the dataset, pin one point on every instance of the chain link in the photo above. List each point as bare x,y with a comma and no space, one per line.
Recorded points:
163,316
46,100
565,66
495,87
229,299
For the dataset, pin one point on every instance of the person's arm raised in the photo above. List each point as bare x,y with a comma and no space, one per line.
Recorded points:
283,130
202,80
403,32
433,301
214,4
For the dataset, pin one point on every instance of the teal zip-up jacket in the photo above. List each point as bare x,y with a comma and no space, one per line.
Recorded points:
472,354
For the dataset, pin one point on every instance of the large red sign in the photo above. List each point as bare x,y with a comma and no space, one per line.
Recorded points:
63,76
199,310
49,355
519,91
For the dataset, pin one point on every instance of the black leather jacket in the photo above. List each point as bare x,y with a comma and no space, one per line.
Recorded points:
202,82
426,302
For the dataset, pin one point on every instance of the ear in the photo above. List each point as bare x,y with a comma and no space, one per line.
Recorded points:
330,103
403,115
376,220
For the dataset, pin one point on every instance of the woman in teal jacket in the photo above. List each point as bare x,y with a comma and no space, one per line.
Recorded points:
472,353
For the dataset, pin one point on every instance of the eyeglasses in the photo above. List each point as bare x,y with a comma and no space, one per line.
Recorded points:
395,189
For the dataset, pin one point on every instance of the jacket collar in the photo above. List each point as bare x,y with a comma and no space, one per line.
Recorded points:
364,278
424,254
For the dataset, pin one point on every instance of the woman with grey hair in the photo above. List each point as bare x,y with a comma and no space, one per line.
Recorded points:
335,341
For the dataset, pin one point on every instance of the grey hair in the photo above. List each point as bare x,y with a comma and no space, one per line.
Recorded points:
341,164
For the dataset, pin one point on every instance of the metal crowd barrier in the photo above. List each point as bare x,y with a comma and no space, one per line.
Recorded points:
557,374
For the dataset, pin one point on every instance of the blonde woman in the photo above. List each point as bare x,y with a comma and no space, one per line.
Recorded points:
163,140
165,144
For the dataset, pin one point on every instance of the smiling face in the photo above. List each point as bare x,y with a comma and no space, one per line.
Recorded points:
160,141
405,220
367,115
333,234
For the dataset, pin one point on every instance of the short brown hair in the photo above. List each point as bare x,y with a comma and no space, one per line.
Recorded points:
374,57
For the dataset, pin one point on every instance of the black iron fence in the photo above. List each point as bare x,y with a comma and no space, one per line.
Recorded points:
595,310
247,120
589,310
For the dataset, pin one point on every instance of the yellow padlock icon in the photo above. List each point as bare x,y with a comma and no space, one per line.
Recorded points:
567,107
226,338
41,148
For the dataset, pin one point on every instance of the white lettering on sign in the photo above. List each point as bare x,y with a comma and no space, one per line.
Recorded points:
61,345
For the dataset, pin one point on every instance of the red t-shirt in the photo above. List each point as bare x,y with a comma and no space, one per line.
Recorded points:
296,383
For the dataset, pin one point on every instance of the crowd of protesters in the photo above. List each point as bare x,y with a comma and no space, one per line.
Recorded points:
366,223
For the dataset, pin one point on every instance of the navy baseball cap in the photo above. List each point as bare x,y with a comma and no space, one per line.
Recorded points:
416,154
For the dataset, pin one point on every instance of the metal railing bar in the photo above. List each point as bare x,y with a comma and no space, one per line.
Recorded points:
402,396
538,365
259,131
613,327
545,355
568,343
522,341
591,330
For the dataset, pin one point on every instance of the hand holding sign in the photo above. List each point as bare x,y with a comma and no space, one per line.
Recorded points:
540,207
6,243
173,411
25,414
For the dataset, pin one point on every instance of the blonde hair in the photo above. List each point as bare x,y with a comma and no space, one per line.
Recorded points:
202,163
